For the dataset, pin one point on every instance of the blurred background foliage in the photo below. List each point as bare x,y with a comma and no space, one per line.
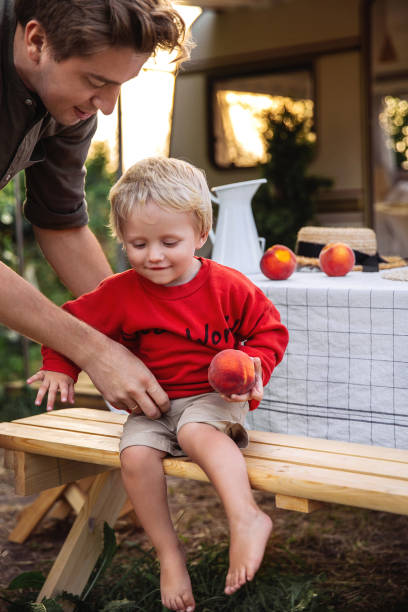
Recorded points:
288,200
36,269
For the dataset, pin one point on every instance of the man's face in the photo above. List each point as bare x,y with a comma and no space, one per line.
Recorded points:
76,88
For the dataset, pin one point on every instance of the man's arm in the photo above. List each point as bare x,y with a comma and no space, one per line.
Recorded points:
76,256
121,378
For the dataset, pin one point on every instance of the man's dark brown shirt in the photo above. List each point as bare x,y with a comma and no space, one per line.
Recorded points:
52,155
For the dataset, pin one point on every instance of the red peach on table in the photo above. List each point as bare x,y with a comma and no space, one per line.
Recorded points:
231,372
278,262
336,259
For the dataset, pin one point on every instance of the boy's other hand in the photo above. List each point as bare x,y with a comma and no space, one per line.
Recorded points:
52,382
256,393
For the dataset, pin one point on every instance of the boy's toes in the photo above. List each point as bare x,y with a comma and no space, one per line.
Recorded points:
189,603
180,603
235,580
231,583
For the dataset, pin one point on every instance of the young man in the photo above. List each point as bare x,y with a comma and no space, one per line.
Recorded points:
61,62
194,308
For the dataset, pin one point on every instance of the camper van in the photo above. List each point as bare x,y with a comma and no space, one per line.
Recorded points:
340,64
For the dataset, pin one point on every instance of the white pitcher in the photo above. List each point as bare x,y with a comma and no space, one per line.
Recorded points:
236,242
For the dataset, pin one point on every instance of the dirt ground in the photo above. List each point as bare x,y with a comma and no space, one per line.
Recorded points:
363,554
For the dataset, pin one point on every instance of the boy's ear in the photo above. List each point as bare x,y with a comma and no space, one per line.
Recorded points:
201,240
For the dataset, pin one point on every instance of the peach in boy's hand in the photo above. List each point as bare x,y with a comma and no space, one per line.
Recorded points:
336,259
278,262
231,372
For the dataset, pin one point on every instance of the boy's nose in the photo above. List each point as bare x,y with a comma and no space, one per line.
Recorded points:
155,254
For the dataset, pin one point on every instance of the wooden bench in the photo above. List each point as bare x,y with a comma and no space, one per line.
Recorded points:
51,450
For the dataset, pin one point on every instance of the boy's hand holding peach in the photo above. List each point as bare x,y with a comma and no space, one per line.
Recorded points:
236,376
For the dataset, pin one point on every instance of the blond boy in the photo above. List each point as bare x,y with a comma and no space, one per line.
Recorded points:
175,311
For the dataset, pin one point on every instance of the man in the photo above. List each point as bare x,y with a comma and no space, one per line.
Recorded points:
61,62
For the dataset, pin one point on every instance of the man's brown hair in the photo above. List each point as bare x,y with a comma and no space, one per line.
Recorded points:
84,27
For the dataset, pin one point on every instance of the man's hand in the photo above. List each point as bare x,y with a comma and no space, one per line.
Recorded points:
121,378
256,393
125,382
52,382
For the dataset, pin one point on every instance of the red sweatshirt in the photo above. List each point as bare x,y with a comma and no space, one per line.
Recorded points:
177,330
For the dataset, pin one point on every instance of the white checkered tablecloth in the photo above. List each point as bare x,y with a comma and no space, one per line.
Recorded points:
345,373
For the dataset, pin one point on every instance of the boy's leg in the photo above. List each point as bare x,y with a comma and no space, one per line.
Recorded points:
225,466
145,484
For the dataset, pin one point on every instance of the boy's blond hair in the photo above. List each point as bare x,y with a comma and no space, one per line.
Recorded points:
172,184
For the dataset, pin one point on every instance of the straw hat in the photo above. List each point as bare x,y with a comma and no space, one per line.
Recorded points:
363,241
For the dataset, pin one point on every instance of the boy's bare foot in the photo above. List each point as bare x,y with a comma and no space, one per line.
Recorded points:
175,584
248,540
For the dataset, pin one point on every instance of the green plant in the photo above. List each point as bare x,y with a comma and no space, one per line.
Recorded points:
18,403
288,200
99,180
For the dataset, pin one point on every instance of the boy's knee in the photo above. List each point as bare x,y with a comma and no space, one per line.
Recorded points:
191,431
188,429
134,458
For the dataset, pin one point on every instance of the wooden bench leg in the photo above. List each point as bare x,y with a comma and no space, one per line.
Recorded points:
34,513
299,504
84,542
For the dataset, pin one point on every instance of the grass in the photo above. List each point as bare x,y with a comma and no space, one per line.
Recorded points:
134,585
339,559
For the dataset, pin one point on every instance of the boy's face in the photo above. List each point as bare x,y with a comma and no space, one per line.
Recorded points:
160,244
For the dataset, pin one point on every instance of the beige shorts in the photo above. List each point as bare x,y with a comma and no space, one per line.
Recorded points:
208,408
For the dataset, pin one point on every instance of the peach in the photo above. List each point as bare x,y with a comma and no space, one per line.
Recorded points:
231,372
278,262
336,259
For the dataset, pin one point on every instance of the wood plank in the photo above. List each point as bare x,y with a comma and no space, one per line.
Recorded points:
329,446
93,414
75,497
85,540
375,493
85,483
33,514
65,445
8,460
60,510
335,486
69,424
298,504
269,475
348,463
34,473
288,454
